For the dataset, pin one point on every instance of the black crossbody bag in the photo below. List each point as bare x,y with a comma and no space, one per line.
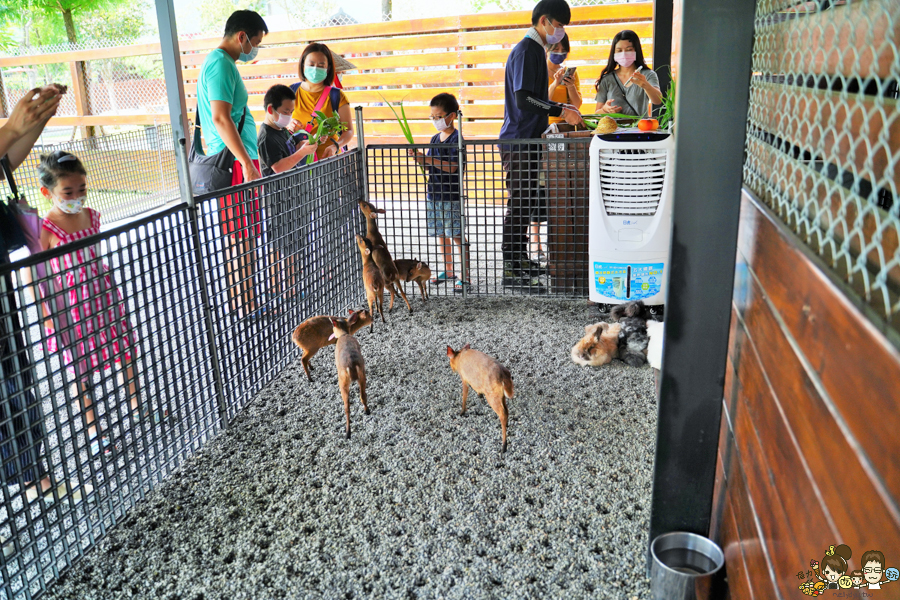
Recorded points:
624,95
211,173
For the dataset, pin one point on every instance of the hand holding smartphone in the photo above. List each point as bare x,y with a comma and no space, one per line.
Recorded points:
570,71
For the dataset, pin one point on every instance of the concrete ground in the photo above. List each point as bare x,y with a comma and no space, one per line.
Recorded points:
419,503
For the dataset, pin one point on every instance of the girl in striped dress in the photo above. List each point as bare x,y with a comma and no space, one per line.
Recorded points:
90,325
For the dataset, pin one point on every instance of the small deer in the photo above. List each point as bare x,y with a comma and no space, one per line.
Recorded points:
599,345
389,272
487,377
414,270
350,364
371,213
314,334
372,279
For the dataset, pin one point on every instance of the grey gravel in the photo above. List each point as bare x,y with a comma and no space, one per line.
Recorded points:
419,503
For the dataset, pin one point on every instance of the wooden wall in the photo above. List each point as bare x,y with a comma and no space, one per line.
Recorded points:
809,450
463,55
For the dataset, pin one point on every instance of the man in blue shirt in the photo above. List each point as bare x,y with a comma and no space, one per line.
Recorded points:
527,108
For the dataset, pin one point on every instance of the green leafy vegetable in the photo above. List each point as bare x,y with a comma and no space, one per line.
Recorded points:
404,124
327,127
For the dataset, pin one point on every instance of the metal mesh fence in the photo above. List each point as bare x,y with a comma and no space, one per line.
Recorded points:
522,214
135,346
128,173
822,144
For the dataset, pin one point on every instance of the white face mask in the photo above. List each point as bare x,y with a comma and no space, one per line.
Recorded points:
70,207
282,120
440,123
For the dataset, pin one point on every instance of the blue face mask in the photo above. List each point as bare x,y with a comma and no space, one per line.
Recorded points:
557,58
247,57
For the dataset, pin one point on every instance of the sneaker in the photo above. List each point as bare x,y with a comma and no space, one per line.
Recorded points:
523,282
525,266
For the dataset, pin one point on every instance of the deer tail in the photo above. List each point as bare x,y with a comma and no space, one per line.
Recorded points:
508,387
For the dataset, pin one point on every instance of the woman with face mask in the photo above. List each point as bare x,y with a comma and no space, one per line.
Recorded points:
317,92
562,90
626,85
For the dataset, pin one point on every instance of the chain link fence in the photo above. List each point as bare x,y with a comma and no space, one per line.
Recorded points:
188,315
127,173
822,141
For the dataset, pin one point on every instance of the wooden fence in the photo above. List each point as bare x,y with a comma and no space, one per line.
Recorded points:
400,60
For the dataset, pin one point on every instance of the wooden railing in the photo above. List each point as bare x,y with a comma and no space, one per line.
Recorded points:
463,55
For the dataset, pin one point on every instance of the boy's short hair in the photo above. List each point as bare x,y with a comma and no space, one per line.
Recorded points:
276,95
558,10
447,102
247,21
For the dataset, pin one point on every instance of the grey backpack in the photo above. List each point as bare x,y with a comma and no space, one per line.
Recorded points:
211,173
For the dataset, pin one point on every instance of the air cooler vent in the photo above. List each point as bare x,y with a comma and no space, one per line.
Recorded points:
631,181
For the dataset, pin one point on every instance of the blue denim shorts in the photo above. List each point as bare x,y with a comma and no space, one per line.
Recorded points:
443,218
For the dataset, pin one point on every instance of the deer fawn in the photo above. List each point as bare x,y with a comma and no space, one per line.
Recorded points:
392,280
413,270
350,364
487,377
314,334
371,213
372,279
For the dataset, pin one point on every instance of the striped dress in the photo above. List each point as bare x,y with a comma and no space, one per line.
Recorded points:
93,324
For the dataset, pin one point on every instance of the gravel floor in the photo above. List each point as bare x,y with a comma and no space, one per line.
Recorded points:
419,503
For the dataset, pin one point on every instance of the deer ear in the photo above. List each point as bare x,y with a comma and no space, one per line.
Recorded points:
368,252
466,347
381,211
354,317
450,352
419,266
349,311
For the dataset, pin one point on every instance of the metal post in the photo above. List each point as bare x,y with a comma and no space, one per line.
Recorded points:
168,41
662,41
717,37
361,144
463,242
168,38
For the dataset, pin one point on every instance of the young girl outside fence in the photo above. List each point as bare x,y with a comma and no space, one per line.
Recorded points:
90,325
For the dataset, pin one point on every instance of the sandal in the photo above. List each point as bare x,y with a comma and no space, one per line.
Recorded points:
461,285
158,416
442,278
96,444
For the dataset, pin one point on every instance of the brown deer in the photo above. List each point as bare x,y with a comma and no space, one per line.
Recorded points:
350,365
414,270
487,377
372,279
389,272
314,334
371,213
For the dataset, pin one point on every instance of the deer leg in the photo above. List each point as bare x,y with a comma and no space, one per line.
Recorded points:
422,290
465,397
345,394
372,324
504,419
379,299
307,356
393,292
363,397
405,299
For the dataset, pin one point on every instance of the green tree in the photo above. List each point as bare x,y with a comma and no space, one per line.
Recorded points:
59,15
215,12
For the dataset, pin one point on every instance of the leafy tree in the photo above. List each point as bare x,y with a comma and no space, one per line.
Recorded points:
213,13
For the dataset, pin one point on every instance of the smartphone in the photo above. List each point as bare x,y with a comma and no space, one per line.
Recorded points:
569,72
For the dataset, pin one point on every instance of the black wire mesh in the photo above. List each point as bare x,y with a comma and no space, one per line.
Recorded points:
128,173
522,213
135,346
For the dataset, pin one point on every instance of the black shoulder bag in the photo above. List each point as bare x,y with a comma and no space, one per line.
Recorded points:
211,173
624,95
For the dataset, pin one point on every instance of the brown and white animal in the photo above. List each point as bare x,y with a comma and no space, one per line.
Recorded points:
599,345
487,377
372,279
371,213
414,270
350,365
315,333
389,272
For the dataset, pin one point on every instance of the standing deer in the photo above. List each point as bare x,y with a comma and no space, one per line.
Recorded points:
372,279
350,364
487,377
414,270
389,272
314,334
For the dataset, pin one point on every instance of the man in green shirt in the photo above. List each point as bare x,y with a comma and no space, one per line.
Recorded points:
228,123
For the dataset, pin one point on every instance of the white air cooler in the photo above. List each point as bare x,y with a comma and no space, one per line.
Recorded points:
630,216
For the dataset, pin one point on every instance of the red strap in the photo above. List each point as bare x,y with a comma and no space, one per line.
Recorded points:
319,105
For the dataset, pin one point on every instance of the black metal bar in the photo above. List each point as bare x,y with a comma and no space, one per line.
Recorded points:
717,41
662,41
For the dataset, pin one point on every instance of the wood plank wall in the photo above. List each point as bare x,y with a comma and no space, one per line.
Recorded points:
463,55
809,449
